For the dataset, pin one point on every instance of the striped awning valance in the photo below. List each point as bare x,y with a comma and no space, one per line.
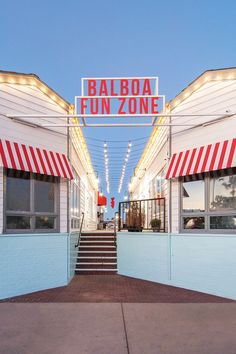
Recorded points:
34,159
207,158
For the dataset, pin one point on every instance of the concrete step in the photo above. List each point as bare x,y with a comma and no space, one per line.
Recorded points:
96,269
95,237
95,272
96,260
96,257
94,242
97,234
97,248
97,254
96,263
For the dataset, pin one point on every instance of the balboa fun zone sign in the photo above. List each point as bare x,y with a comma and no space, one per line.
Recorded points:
118,98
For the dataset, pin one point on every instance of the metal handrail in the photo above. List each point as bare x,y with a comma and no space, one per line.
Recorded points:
140,203
80,230
115,229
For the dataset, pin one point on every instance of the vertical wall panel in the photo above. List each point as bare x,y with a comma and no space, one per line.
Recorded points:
1,200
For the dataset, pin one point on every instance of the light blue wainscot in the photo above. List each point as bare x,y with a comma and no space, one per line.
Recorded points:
33,262
205,263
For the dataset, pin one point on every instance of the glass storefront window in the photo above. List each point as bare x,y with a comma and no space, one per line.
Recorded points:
193,193
18,222
223,222
209,201
44,222
191,223
223,193
44,195
18,190
30,202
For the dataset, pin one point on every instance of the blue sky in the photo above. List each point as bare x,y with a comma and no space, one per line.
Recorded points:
62,41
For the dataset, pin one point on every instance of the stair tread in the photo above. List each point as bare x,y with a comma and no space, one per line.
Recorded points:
96,251
96,241
96,269
97,263
94,257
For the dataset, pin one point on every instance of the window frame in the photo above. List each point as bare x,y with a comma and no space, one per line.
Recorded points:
153,192
32,213
75,186
206,214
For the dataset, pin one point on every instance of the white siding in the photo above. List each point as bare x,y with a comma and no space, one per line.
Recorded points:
1,200
63,205
156,163
88,201
24,99
213,97
175,206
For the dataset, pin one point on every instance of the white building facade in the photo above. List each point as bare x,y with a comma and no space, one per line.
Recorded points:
46,183
191,162
171,167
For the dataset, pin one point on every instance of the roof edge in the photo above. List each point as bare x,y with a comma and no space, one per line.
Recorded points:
18,78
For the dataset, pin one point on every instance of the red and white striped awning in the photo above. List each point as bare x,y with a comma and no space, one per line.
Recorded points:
207,158
33,159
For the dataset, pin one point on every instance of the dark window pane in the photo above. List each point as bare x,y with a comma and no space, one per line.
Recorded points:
45,222
44,195
223,193
194,222
75,223
18,222
18,190
223,222
193,196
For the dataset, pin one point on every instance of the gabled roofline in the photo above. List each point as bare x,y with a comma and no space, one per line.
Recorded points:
206,76
33,80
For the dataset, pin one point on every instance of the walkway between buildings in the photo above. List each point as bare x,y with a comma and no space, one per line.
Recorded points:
116,288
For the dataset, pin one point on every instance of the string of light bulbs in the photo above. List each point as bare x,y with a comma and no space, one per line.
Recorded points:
106,161
127,155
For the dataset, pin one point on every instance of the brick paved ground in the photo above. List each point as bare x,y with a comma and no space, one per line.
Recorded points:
117,288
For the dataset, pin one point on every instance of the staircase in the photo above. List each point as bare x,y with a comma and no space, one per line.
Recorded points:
97,253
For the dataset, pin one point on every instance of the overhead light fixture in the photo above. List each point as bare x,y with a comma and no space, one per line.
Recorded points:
106,160
126,159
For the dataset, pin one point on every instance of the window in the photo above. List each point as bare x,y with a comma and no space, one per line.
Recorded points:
30,202
223,222
193,196
160,184
75,202
194,222
157,186
208,202
223,193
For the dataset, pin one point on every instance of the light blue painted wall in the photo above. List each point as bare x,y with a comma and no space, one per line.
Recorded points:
144,256
31,263
72,254
204,263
